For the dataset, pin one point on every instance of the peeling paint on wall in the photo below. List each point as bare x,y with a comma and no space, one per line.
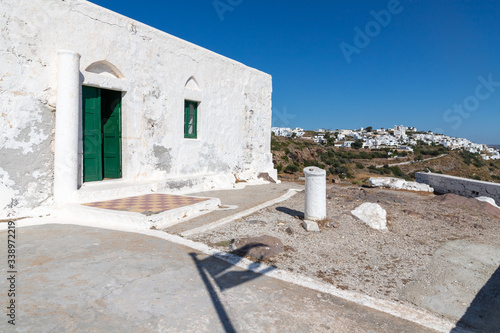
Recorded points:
234,114
7,192
163,158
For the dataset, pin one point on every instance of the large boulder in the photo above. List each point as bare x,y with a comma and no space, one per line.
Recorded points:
387,182
399,184
258,248
372,214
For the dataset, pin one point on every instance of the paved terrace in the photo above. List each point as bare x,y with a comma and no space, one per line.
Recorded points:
80,279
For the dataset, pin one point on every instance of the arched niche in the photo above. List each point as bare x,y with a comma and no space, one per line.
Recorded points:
192,84
104,67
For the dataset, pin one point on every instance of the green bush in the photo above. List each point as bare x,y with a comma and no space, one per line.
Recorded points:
357,144
472,158
397,172
376,170
291,168
342,171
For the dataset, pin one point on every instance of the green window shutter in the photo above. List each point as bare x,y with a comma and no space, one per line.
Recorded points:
195,129
112,139
186,118
92,163
190,119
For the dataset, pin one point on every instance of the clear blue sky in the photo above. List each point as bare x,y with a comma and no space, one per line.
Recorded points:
424,63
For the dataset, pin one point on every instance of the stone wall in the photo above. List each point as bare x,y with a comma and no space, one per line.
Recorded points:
155,71
460,186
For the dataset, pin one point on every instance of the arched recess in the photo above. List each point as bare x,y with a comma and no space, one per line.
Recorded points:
192,84
104,67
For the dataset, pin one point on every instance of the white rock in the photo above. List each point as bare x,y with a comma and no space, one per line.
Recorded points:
372,214
489,200
414,186
310,225
381,181
399,184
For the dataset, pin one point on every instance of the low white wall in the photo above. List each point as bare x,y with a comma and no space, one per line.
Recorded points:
460,186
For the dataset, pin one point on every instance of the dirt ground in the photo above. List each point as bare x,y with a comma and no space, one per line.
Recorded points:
350,255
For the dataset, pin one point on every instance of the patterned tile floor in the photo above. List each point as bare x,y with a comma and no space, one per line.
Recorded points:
147,204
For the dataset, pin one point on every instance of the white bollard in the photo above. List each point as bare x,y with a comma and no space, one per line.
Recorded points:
315,194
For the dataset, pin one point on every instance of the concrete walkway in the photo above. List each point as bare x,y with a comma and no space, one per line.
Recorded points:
243,199
81,279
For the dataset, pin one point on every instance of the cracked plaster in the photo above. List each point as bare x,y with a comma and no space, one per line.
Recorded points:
234,116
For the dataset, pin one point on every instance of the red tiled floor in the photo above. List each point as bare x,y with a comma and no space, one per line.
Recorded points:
147,204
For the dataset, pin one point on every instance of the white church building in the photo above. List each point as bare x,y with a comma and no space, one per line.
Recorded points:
96,105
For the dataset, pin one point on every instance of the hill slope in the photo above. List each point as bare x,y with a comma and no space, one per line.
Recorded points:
292,155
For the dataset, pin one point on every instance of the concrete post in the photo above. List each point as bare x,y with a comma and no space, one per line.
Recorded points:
67,123
315,208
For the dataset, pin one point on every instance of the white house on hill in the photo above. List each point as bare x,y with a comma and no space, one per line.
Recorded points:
94,102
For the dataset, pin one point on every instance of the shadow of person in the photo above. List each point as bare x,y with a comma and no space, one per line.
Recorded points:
226,276
483,314
291,212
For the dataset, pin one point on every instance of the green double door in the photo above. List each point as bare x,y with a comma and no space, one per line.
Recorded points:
102,135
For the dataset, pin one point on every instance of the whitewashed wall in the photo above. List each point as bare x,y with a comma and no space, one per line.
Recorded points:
234,116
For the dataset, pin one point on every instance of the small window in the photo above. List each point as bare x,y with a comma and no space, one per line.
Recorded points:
190,119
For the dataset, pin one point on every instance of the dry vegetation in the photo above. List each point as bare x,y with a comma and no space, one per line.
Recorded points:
355,166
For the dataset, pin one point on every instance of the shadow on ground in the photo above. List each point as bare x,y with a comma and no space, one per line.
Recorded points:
226,276
291,212
483,314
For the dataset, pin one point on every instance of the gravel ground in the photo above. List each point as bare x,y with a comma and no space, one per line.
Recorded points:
350,255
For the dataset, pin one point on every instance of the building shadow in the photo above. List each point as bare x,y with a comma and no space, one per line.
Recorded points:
216,272
291,212
483,314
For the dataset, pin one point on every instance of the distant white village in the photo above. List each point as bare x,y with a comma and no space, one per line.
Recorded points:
399,137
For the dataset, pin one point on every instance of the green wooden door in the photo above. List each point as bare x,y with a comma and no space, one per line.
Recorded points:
92,156
112,138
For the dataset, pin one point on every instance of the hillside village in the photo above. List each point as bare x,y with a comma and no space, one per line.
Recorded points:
400,137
